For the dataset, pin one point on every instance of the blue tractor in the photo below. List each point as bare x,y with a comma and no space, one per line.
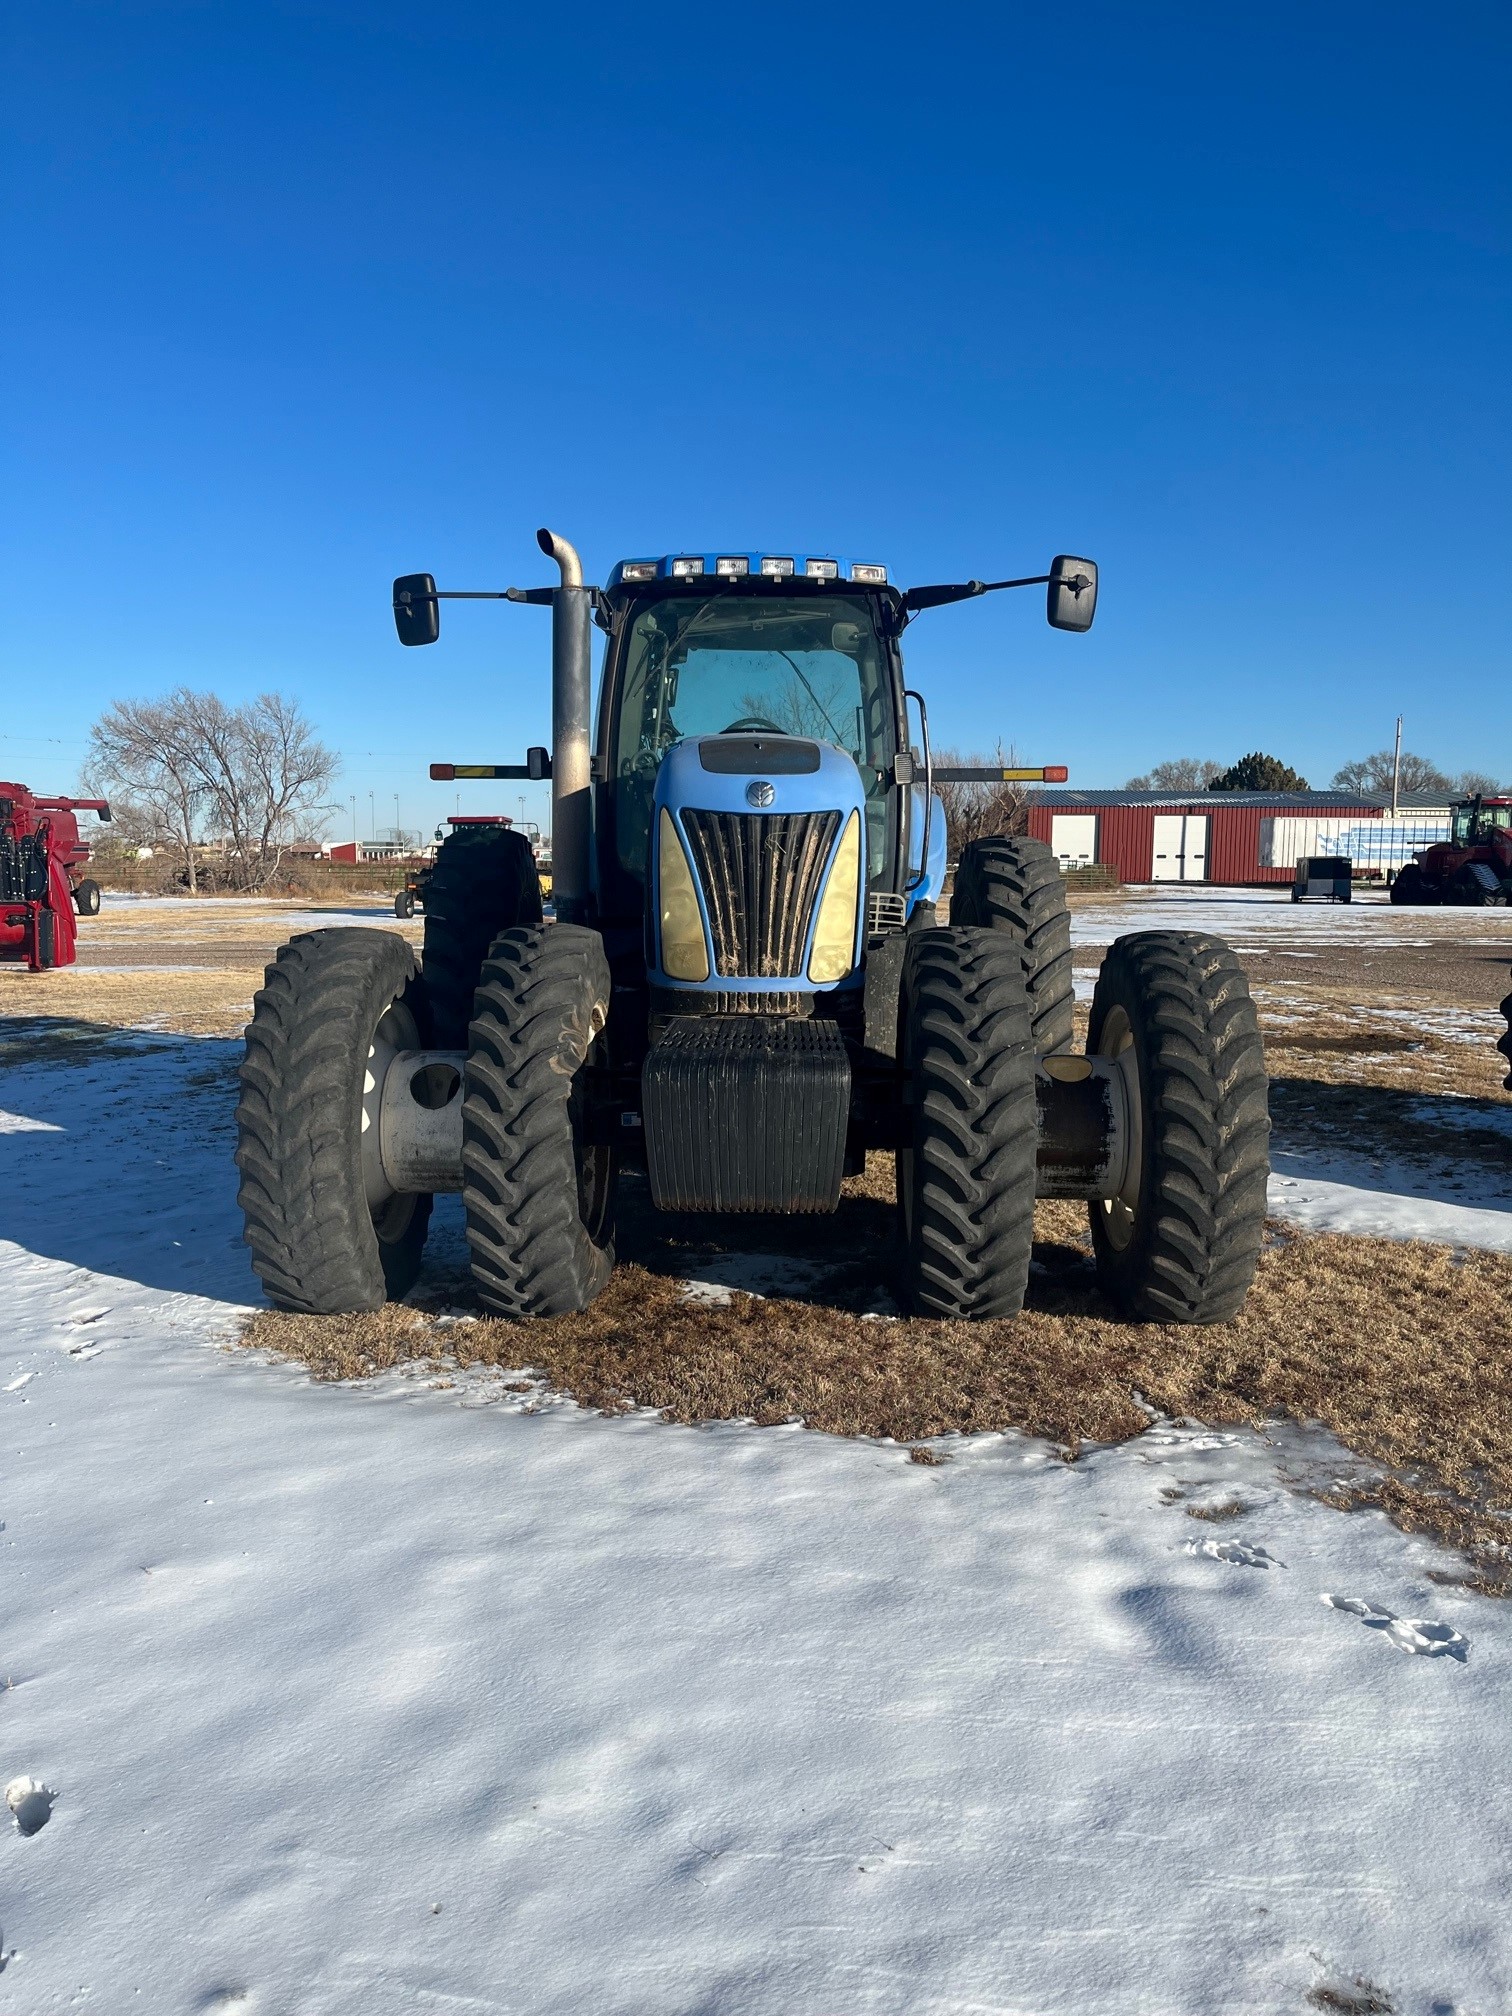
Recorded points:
746,987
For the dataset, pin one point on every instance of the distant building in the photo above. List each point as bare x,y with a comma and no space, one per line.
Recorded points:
377,850
1238,838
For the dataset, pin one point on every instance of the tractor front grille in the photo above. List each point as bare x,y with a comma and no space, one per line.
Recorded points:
761,873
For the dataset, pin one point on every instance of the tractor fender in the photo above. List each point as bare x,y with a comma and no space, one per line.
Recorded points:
928,876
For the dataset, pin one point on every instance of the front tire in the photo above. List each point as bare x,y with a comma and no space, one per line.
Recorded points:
539,1193
87,898
966,1182
1013,884
1181,1246
404,903
325,1238
1413,886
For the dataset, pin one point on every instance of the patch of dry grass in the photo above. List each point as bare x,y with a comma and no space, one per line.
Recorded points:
217,1003
1403,1351
1336,1049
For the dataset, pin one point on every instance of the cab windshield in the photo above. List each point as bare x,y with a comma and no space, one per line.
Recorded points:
1471,826
787,665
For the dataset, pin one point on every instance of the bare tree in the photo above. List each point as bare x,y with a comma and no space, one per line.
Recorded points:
1373,773
139,756
1477,784
293,772
254,776
977,811
1181,773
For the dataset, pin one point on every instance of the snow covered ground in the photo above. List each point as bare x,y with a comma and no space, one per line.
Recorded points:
417,1696
1256,918
1391,1199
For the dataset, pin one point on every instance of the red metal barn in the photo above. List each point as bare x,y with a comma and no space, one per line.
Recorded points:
1236,838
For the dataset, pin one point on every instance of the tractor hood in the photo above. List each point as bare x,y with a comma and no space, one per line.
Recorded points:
757,866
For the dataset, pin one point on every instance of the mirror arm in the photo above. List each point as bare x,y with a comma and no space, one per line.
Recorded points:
539,598
962,591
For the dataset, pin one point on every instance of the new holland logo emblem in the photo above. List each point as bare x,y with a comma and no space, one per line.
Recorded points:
760,794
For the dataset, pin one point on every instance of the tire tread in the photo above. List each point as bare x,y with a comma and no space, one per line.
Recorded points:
1010,883
1207,1127
534,1023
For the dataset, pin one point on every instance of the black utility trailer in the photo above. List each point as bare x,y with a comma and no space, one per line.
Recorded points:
1323,878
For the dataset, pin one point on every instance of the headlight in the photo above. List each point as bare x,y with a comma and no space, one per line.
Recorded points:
834,951
684,954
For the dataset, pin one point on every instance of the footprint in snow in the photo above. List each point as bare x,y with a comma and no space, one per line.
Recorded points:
1186,1440
1236,1552
1408,1634
31,1804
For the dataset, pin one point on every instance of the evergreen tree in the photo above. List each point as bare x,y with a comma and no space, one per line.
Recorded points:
1258,772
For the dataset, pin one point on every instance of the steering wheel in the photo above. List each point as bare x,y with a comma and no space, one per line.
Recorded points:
753,721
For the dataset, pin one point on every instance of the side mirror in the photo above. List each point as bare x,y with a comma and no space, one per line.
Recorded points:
417,613
1071,600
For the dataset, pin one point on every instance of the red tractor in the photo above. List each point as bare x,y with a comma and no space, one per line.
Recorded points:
416,890
42,879
1474,865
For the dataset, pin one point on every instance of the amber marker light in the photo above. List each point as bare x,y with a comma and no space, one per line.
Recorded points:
684,953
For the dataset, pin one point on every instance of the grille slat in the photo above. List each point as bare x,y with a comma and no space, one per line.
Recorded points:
760,873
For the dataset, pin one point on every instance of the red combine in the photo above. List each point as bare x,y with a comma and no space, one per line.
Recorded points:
42,879
1474,865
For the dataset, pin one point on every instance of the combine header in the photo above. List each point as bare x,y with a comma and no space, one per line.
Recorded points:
42,879
748,987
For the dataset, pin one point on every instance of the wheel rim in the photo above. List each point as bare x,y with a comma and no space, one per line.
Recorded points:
1121,1213
390,1210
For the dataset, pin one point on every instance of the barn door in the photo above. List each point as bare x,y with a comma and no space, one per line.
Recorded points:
1194,843
1168,837
1180,847
1073,839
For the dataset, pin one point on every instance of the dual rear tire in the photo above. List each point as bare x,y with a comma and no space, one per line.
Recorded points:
1182,1244
327,1236
538,1178
328,1233
981,1001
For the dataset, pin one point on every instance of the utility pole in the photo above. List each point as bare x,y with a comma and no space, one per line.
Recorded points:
372,819
1396,769
354,825
398,831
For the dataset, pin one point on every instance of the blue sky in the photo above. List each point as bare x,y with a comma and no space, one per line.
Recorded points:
303,296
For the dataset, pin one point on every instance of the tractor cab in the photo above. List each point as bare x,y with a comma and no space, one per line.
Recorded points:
763,672
1476,822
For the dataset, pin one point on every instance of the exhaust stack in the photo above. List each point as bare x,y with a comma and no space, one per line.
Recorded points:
571,707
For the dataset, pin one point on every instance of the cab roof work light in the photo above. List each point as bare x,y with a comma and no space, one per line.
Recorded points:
749,567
